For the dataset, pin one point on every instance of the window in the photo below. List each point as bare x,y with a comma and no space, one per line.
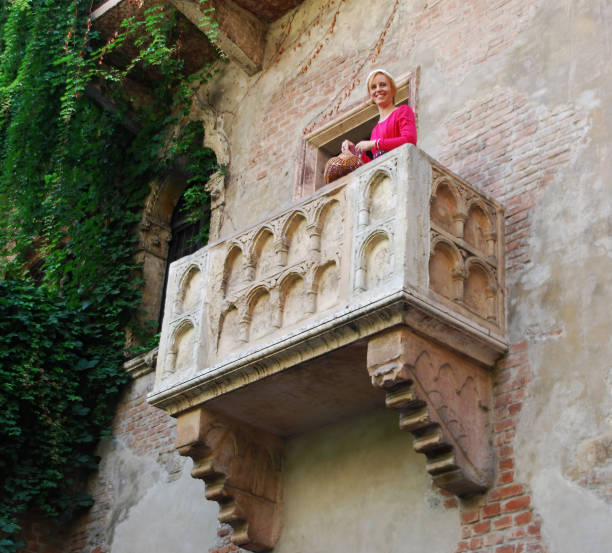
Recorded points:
355,125
186,238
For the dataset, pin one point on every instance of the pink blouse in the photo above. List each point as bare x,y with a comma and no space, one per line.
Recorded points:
397,129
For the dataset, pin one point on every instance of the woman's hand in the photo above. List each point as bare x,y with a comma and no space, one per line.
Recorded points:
365,145
347,146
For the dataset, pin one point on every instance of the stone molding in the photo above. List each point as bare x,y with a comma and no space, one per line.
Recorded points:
141,364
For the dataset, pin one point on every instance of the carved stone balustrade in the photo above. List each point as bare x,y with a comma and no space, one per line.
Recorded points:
386,287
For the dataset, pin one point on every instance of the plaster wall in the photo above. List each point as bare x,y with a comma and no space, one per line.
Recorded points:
358,485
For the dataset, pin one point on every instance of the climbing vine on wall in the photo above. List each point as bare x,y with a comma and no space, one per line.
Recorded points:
72,184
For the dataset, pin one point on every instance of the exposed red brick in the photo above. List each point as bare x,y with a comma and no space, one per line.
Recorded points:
534,529
491,510
506,477
516,504
502,522
494,538
506,491
470,516
481,527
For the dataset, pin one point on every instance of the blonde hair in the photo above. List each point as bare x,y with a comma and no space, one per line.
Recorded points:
372,74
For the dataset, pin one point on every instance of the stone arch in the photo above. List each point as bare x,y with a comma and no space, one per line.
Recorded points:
376,260
330,223
154,230
446,269
154,234
295,235
263,254
293,299
182,348
229,330
190,289
479,289
446,207
217,140
233,275
327,285
261,312
379,196
479,227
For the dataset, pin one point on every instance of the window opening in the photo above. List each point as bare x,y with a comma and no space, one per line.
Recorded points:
186,238
355,125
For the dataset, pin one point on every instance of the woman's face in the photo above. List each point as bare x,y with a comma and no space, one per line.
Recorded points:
381,92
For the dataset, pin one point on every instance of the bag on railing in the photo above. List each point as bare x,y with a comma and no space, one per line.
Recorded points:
341,165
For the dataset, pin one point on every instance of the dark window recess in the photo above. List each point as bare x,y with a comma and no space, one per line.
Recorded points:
186,239
185,233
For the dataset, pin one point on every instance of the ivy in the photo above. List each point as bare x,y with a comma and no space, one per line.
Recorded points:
72,185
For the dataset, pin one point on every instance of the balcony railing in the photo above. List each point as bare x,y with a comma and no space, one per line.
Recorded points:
393,276
402,230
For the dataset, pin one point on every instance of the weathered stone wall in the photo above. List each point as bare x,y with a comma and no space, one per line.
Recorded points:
513,96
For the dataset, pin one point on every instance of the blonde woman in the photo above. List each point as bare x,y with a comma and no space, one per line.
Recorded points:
396,125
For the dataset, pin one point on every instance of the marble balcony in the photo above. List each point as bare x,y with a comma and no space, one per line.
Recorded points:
383,288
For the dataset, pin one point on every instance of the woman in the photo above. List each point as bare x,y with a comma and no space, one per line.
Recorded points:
395,126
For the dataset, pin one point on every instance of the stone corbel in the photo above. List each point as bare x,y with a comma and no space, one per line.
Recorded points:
443,399
241,467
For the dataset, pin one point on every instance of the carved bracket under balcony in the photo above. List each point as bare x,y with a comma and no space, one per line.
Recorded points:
241,467
443,399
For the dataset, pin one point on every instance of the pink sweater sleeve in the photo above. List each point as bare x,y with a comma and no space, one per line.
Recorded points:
403,129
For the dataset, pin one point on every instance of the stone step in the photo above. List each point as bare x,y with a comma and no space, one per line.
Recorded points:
417,419
442,463
429,441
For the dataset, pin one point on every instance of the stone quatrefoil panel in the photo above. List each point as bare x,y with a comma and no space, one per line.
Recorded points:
463,259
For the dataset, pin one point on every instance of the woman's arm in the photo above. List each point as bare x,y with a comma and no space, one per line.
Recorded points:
405,125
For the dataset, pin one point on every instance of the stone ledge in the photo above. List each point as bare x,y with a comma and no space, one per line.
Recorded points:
421,314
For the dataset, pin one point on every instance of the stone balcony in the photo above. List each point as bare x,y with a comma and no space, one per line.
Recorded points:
384,288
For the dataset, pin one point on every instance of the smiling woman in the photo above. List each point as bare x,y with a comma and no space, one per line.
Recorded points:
396,125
